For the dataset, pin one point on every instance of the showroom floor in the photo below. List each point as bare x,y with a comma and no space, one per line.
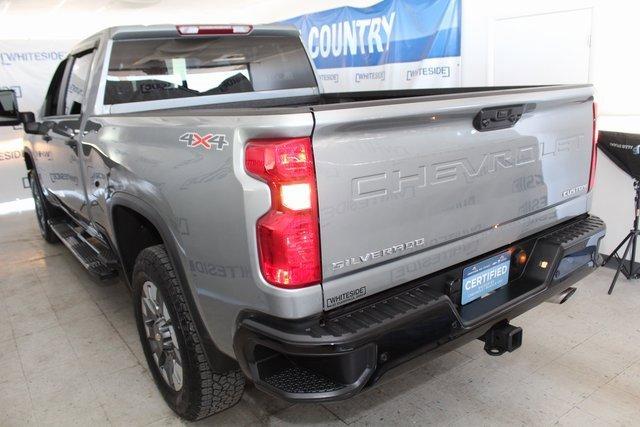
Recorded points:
69,354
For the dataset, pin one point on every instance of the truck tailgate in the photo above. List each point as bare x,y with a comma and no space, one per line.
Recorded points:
409,186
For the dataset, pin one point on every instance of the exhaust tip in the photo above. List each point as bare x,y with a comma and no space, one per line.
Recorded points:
563,296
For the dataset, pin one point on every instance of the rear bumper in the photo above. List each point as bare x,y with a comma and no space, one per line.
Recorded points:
334,356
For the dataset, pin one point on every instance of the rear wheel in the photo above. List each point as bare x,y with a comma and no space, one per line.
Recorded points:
44,210
172,345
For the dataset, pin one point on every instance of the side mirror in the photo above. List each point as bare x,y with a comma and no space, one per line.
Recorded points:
9,113
27,117
35,128
30,125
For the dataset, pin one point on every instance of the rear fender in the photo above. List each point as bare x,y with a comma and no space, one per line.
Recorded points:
219,361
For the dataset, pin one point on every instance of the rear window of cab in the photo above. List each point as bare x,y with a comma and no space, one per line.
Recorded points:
157,69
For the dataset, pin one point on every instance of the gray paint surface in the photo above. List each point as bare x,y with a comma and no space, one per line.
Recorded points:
389,172
418,174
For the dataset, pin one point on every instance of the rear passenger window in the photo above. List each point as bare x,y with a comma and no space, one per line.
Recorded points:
77,83
150,70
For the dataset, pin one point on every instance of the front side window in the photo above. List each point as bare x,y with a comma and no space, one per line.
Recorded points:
151,70
53,94
77,83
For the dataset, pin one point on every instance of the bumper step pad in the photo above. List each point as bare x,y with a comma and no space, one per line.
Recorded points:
376,314
298,380
97,259
576,232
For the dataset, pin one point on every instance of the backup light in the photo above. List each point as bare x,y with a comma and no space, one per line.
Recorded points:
296,197
288,234
202,30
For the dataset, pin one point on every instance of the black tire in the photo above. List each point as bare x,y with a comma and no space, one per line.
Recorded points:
202,392
44,209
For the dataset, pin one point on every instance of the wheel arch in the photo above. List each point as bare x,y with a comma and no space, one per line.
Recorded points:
132,233
123,202
122,206
28,159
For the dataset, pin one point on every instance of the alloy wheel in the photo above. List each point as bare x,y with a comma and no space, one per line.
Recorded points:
161,335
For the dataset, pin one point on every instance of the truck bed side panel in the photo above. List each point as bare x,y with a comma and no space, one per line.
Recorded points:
205,199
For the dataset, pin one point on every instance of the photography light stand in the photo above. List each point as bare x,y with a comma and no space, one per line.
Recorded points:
630,240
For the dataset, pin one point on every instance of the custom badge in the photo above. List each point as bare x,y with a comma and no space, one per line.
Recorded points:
195,140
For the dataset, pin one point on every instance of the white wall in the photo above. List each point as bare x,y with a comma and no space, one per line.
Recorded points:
613,70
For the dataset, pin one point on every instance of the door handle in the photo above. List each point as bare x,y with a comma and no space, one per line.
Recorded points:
46,138
71,143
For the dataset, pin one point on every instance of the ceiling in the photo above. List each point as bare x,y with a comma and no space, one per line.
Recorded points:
77,19
44,6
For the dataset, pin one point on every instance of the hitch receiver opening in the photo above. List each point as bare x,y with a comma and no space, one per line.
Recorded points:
502,337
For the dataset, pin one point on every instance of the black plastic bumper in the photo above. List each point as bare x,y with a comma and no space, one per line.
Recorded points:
333,356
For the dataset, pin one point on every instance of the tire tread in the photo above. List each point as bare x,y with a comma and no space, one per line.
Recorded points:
213,392
49,210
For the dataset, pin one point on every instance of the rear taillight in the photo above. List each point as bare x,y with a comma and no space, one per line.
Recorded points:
594,148
288,235
206,30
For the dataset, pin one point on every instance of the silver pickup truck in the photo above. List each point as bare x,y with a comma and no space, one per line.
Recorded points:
307,241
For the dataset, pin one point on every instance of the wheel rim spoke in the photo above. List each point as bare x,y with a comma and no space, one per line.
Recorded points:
167,366
165,312
149,305
177,373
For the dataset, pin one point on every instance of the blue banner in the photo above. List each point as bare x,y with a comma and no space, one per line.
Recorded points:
389,32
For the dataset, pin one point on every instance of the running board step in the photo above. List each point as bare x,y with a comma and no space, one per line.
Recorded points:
100,262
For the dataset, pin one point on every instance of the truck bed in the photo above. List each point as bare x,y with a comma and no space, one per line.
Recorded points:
329,100
407,184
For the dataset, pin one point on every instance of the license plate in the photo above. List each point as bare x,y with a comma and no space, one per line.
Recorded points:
485,277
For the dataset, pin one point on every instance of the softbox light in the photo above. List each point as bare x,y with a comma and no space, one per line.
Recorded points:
623,149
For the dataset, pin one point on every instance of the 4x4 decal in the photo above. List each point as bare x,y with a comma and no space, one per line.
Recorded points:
194,140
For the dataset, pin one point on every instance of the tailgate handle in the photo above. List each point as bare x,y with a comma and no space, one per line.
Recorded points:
497,117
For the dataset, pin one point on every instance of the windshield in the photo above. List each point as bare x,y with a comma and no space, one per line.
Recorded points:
155,69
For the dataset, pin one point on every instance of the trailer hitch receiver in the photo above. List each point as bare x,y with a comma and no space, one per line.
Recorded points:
502,337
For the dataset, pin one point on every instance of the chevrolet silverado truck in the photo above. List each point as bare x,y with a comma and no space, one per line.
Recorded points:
308,242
